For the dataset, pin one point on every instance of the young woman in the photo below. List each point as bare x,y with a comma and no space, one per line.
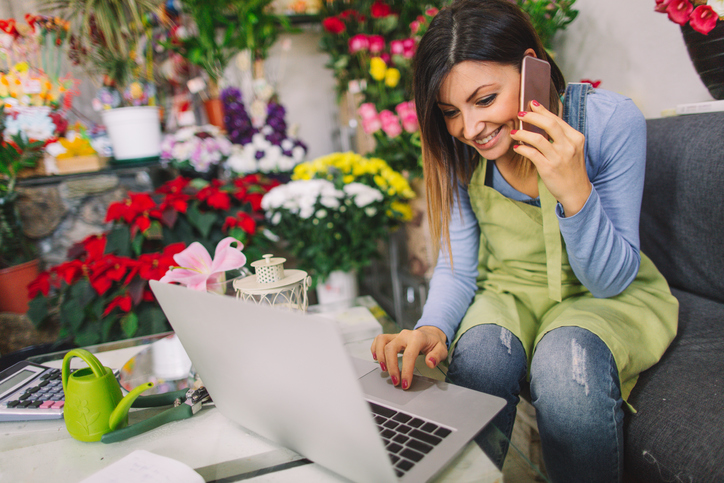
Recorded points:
539,280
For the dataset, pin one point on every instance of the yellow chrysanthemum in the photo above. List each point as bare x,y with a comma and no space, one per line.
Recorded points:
76,147
403,209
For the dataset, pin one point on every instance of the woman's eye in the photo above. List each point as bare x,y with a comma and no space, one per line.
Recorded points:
486,101
449,113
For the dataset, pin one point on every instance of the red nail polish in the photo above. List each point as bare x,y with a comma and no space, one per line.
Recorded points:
521,114
434,361
374,355
535,103
394,380
405,384
513,131
516,146
383,367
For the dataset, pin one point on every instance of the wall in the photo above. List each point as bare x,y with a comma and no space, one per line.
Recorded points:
633,50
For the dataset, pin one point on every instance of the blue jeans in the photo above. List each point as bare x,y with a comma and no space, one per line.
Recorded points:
574,388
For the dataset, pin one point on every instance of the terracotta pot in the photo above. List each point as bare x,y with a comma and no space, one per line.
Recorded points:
14,286
215,112
707,55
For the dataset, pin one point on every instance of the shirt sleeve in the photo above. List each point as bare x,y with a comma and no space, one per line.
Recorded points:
602,240
452,287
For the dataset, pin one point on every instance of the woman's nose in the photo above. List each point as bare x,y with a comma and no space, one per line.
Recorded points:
472,126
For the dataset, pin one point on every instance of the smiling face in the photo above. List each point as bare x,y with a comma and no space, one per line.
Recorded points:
480,103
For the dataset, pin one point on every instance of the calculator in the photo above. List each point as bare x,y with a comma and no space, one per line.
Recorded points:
30,391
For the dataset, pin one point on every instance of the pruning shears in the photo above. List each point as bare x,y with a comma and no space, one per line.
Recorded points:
185,403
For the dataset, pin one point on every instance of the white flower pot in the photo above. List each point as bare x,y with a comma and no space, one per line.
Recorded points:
135,132
337,287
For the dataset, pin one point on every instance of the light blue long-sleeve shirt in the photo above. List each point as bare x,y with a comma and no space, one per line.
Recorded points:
602,240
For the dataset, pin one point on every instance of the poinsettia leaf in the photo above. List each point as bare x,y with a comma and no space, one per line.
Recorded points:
72,315
118,241
151,320
38,310
137,244
129,324
107,326
155,231
135,289
169,217
201,221
90,336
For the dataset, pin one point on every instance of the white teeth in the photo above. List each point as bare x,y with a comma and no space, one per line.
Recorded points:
487,139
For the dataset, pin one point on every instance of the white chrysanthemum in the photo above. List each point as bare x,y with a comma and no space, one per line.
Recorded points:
287,144
370,211
241,160
362,194
298,154
717,6
276,218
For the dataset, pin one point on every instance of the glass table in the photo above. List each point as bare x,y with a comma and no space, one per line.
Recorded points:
132,358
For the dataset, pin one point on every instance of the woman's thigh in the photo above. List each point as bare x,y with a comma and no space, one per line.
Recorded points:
489,358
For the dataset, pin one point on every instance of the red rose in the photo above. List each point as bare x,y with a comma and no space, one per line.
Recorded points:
333,25
380,9
703,19
377,43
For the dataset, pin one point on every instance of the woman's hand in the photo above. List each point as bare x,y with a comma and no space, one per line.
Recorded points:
428,340
560,161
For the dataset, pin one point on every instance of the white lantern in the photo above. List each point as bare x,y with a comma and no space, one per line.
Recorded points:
272,285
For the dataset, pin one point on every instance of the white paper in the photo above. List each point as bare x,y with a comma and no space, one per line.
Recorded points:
356,323
145,467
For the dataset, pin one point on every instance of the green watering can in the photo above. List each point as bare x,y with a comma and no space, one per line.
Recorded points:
94,404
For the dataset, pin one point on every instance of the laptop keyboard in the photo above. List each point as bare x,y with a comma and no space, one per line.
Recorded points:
407,438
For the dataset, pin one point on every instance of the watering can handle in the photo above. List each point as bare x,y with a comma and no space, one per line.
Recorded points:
92,361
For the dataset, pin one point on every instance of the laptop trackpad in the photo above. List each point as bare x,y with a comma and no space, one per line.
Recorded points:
378,384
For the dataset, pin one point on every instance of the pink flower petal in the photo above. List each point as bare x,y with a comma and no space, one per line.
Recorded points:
195,257
228,257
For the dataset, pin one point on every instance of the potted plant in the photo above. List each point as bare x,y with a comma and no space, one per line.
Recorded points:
111,41
18,259
217,32
333,214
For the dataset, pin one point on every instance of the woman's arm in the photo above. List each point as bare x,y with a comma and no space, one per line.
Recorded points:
452,287
602,239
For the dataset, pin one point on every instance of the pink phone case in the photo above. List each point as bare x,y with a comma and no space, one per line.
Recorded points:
535,84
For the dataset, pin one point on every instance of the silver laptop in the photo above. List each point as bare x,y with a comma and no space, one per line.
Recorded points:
287,377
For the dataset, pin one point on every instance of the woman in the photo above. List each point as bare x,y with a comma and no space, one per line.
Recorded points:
540,278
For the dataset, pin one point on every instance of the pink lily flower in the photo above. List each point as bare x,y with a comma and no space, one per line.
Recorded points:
196,267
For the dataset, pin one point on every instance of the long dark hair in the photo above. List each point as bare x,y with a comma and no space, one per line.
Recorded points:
478,30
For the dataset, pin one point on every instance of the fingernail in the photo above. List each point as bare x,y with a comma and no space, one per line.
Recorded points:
516,146
513,131
394,380
434,361
535,103
521,114
405,384
383,367
374,355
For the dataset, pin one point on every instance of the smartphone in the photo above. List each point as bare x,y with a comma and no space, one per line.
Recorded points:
535,84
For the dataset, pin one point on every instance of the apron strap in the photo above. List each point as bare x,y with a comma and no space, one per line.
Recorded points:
574,113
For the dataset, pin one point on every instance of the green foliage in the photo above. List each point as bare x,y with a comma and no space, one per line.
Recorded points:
548,17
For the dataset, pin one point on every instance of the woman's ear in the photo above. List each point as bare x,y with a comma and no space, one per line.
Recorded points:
530,52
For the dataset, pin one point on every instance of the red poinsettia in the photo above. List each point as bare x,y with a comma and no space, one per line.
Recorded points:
242,220
215,197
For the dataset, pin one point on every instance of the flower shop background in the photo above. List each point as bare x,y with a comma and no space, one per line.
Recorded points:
649,63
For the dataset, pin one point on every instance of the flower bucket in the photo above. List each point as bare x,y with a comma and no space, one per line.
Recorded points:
707,55
215,112
135,133
14,286
337,287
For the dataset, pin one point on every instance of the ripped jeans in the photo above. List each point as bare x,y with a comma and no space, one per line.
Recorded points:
574,388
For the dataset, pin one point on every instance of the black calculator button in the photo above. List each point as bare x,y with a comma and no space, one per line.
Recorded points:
12,404
35,404
33,390
24,404
43,384
24,396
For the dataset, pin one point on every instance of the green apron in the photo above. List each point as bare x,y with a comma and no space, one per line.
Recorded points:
527,285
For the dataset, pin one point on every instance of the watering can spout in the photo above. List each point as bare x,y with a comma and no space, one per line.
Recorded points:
120,413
